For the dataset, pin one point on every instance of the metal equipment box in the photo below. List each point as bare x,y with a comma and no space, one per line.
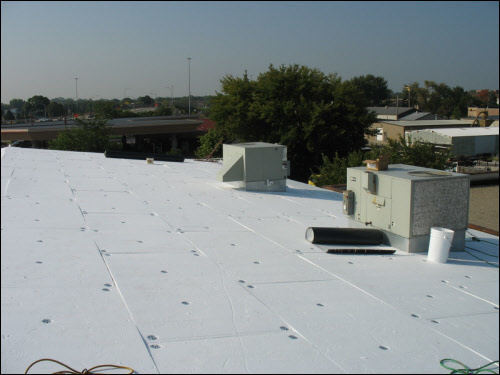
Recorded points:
406,201
260,166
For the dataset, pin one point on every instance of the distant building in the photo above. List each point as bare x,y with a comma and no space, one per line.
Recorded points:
474,111
463,141
421,116
394,129
391,113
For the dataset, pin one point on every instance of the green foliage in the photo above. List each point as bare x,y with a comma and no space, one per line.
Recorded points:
163,110
90,135
334,171
55,109
38,104
331,172
145,100
425,155
419,154
439,99
492,99
208,141
16,104
123,114
8,116
27,109
373,88
309,112
105,109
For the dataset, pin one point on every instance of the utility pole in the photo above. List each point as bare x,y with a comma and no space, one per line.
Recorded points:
397,107
76,96
189,85
409,94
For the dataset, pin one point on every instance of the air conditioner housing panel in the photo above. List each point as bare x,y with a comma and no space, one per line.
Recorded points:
406,201
260,166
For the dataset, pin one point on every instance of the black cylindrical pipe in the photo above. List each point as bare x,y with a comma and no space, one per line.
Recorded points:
361,251
345,236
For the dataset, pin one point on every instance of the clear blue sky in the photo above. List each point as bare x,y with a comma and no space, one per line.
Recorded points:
143,46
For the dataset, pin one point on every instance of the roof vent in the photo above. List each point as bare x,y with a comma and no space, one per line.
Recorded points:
260,166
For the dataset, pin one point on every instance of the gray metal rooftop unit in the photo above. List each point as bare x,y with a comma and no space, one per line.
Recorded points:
406,201
260,166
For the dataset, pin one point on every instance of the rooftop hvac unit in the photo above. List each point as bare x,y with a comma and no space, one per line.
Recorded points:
406,201
260,166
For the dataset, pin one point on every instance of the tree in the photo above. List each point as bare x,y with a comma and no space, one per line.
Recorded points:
492,99
16,104
55,109
145,100
8,116
417,153
374,89
414,95
90,135
331,172
28,109
483,96
210,144
163,110
125,103
334,170
38,104
439,99
309,112
105,109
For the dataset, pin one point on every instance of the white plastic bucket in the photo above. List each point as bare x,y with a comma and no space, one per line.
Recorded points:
440,244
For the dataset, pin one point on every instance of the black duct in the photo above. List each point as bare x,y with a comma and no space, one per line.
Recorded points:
344,236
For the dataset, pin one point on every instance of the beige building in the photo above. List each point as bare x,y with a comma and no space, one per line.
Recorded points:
474,111
390,113
394,129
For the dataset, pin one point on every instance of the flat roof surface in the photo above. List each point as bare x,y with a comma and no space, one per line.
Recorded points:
255,145
464,132
164,269
429,122
415,116
405,172
390,110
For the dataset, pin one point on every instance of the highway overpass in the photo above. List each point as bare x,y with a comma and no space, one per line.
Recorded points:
163,132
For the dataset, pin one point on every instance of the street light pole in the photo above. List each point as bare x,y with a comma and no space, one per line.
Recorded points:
189,85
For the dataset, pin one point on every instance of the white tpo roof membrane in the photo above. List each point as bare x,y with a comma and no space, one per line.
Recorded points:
164,269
